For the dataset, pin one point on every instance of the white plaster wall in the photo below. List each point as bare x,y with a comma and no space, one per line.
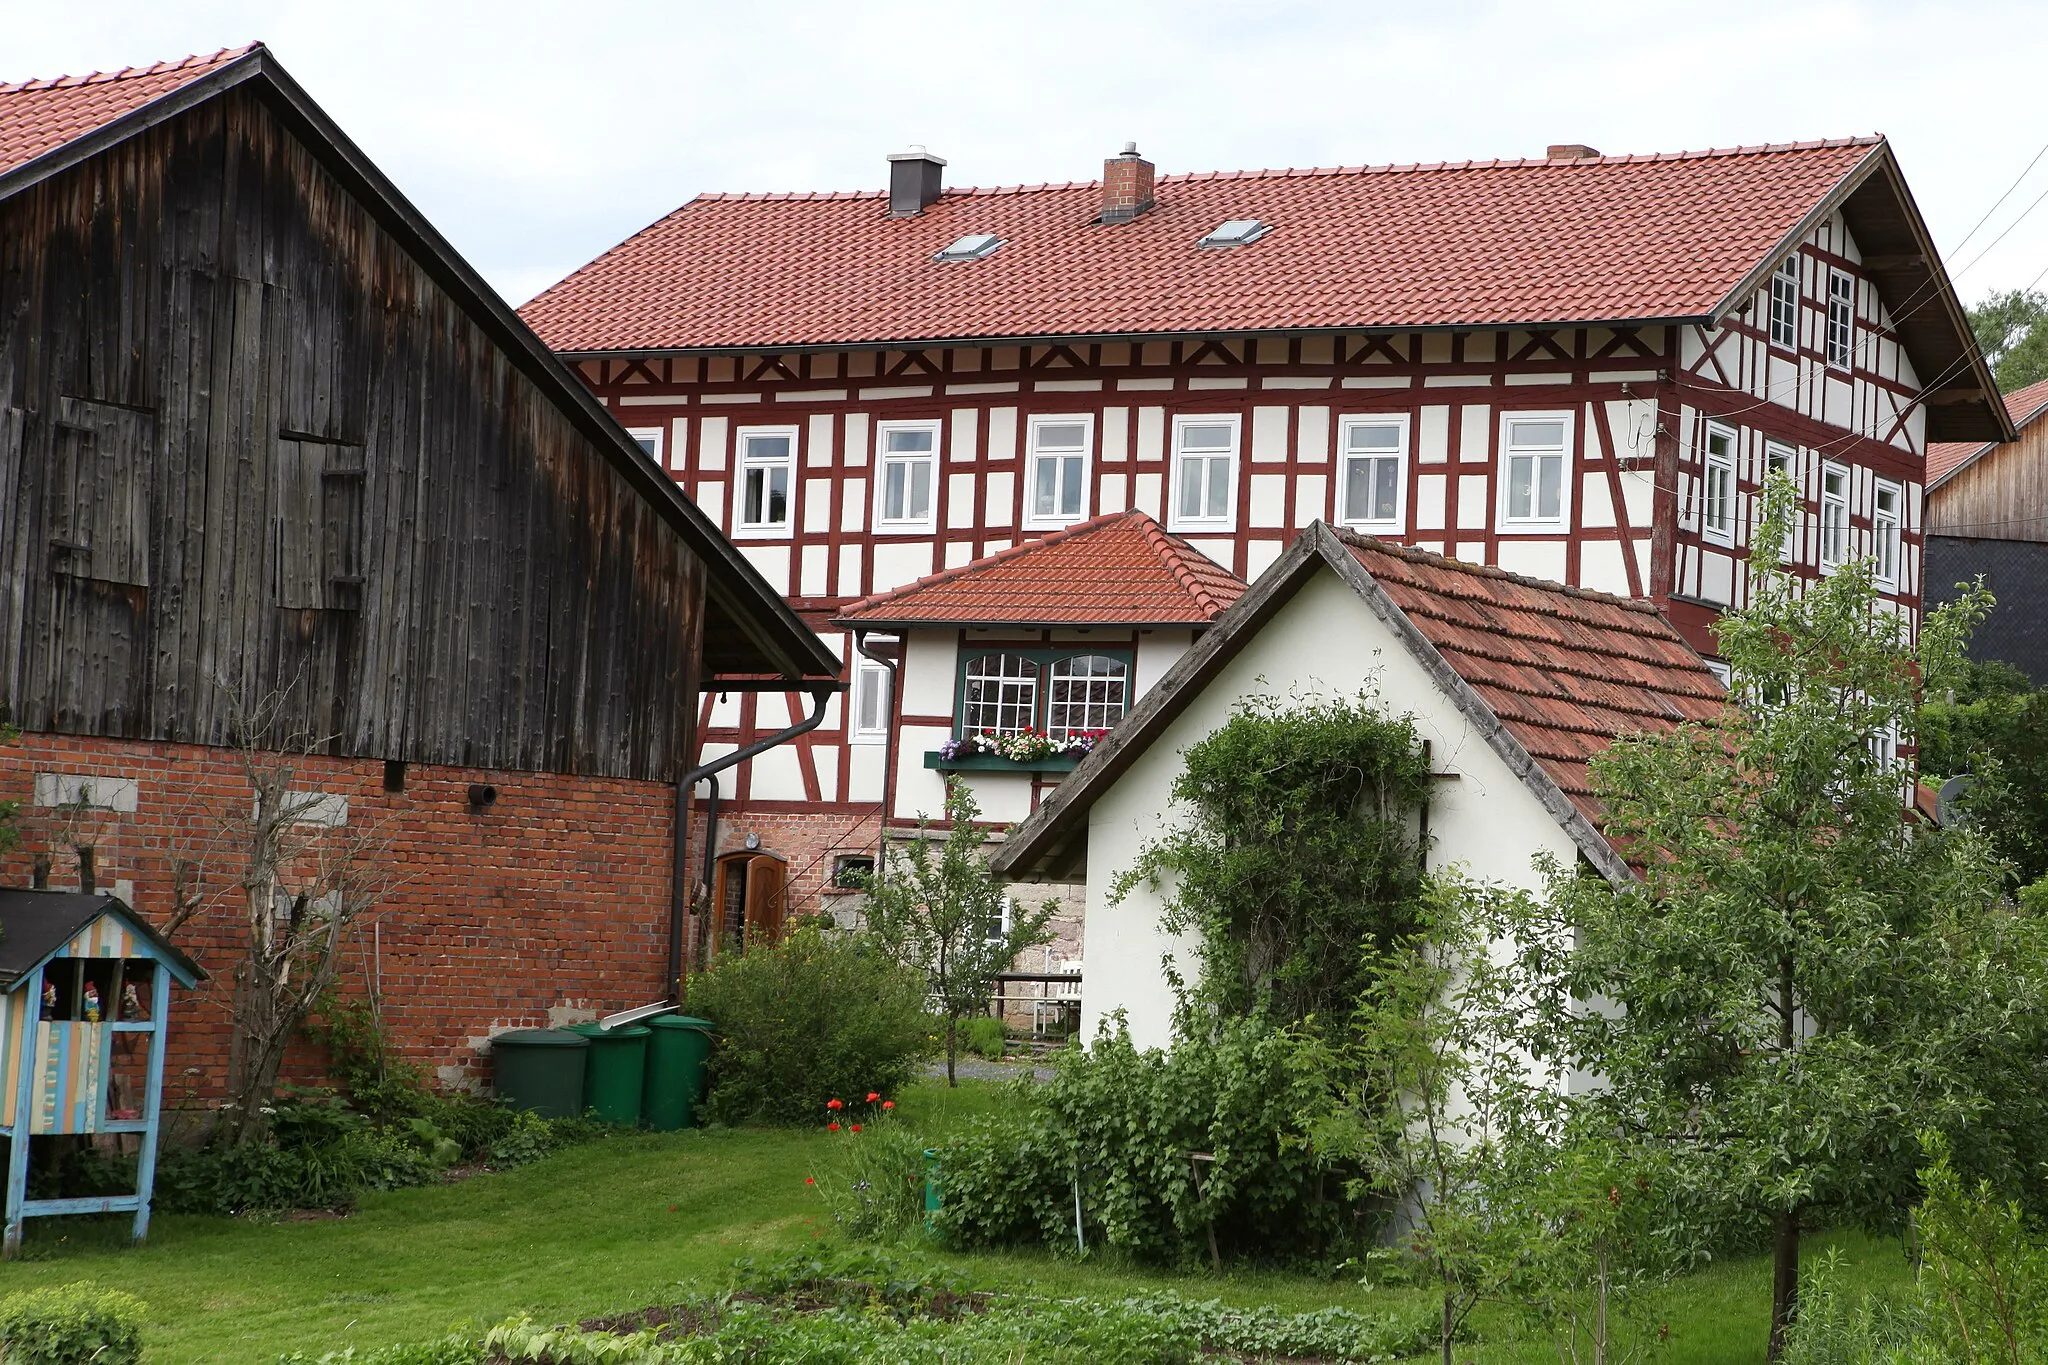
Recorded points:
1325,642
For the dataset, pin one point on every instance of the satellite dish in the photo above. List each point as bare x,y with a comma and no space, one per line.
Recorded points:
1948,802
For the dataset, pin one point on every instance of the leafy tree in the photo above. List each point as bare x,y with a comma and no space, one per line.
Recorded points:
943,914
1994,728
1507,1185
2010,333
1801,978
1297,851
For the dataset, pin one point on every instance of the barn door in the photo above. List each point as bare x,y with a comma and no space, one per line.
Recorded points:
767,898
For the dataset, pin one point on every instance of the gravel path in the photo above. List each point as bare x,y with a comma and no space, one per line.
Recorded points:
981,1069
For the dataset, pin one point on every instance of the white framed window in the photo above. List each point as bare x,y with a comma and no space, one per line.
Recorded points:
1782,459
1057,491
1204,473
1785,303
1834,516
907,454
1086,692
1717,487
1886,517
868,715
767,482
1375,474
999,695
1841,320
1535,464
648,439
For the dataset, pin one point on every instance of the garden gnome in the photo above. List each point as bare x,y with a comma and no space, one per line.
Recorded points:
131,1002
92,1003
49,1000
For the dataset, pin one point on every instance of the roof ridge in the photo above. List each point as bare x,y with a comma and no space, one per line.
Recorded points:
226,54
1430,557
1306,172
1174,552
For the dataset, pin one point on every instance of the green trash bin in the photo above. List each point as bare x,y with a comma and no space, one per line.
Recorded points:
675,1070
611,1083
541,1070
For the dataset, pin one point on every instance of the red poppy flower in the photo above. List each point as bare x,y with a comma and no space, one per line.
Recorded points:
856,1128
834,1104
873,1095
673,1208
810,1180
888,1104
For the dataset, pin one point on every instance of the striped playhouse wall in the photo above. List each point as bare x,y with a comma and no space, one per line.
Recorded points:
106,936
13,1010
70,1057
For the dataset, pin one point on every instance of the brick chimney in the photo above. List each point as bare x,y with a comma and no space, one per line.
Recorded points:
1126,186
914,181
1570,151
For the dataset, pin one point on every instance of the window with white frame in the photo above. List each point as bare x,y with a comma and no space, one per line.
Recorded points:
999,695
868,722
1375,473
1841,320
1834,516
1717,487
908,453
1535,453
767,473
1204,472
1058,456
1784,460
648,439
1086,692
1785,303
1885,519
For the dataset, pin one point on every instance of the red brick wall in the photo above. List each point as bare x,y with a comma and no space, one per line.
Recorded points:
551,904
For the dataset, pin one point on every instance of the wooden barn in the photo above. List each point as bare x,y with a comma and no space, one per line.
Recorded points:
270,448
1987,516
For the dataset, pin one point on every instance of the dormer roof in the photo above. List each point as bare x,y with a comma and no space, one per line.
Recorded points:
1123,569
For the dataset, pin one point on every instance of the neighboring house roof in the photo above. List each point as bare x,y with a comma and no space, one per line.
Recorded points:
1614,239
1945,458
1549,675
35,924
1117,570
47,127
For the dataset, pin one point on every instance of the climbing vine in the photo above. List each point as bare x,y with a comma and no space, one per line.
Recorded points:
1300,852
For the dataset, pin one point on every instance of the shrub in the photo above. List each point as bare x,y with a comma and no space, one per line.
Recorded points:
72,1324
817,1015
984,1037
255,1176
1166,1151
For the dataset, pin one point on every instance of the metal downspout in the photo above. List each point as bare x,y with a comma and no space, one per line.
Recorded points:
860,647
681,874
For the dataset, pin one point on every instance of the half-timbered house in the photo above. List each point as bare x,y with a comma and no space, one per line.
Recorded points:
269,447
1578,367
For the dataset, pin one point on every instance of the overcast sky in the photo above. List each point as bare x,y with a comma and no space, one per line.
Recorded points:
537,135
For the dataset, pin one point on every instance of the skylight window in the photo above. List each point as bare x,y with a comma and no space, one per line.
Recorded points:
972,247
1236,232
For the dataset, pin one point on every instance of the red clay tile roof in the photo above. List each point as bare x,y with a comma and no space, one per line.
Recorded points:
1567,671
1614,238
1117,570
40,116
1946,457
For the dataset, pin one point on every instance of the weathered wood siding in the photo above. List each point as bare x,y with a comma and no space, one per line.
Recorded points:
2002,495
248,444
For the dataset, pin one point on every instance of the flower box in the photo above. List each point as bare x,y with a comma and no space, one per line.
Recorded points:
996,763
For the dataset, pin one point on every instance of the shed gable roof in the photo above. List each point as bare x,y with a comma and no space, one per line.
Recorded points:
1548,675
1122,569
35,924
48,126
1945,458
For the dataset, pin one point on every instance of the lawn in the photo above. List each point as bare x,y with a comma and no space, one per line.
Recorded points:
618,1224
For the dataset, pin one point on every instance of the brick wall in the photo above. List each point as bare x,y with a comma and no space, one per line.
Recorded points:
549,905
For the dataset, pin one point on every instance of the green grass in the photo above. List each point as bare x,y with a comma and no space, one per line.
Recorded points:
620,1223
